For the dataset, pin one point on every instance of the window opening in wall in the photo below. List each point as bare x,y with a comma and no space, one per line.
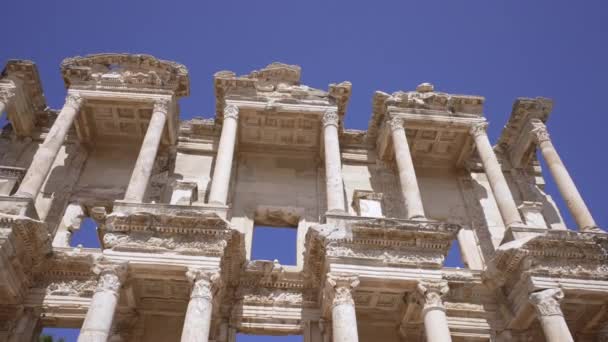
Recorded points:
59,335
454,258
270,243
86,235
261,338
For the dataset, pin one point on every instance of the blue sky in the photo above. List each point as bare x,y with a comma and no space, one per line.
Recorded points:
497,49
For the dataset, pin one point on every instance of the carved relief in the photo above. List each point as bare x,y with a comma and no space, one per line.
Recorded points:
546,302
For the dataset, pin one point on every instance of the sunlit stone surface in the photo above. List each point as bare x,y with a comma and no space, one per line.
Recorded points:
376,212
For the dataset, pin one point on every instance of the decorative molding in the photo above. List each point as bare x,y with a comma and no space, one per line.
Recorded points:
340,287
547,302
430,294
111,276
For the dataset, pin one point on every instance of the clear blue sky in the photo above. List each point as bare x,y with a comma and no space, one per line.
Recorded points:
498,49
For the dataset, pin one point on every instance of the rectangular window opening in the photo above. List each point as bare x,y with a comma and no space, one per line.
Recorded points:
275,243
87,235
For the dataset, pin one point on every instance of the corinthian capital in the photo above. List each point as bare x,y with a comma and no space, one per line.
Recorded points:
162,106
340,288
539,131
546,302
330,117
231,112
478,129
6,94
111,276
204,282
395,123
430,294
74,101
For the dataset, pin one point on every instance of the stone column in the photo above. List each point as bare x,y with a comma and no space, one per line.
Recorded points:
98,322
225,154
198,315
333,162
344,321
27,326
47,152
147,154
498,183
407,174
562,178
433,311
546,303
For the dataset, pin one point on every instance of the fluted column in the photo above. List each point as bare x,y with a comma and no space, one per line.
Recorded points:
550,315
333,163
433,310
198,315
565,184
498,183
407,174
225,154
47,152
98,322
147,153
340,288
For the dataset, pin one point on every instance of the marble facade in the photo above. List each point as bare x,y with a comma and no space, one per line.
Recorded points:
376,212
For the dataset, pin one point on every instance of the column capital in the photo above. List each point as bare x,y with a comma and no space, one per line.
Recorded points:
204,282
479,128
395,122
162,106
546,302
331,118
231,112
111,276
74,101
539,131
340,288
430,294
6,94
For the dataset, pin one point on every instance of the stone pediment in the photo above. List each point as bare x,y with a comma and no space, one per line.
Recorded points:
277,83
126,72
424,100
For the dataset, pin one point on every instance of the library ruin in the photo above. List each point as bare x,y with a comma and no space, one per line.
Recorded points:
176,203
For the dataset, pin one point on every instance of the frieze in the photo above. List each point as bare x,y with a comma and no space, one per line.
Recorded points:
388,256
211,245
76,288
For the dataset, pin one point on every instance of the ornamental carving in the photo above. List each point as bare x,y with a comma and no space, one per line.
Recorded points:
6,94
111,277
330,117
204,282
430,294
546,302
74,288
74,101
340,288
478,129
387,255
231,112
161,106
539,132
157,242
264,296
395,123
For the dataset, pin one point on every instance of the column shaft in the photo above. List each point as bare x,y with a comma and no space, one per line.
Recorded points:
498,183
407,174
333,163
550,315
565,184
98,321
197,322
147,154
225,154
2,107
47,152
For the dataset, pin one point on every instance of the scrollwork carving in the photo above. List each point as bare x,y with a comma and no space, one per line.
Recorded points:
6,94
340,288
74,101
395,123
231,112
330,117
546,302
161,106
478,129
539,132
204,282
430,294
111,276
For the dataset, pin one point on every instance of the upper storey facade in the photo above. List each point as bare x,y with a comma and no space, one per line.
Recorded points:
375,211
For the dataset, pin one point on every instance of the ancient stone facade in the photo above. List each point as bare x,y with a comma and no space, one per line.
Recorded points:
376,212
